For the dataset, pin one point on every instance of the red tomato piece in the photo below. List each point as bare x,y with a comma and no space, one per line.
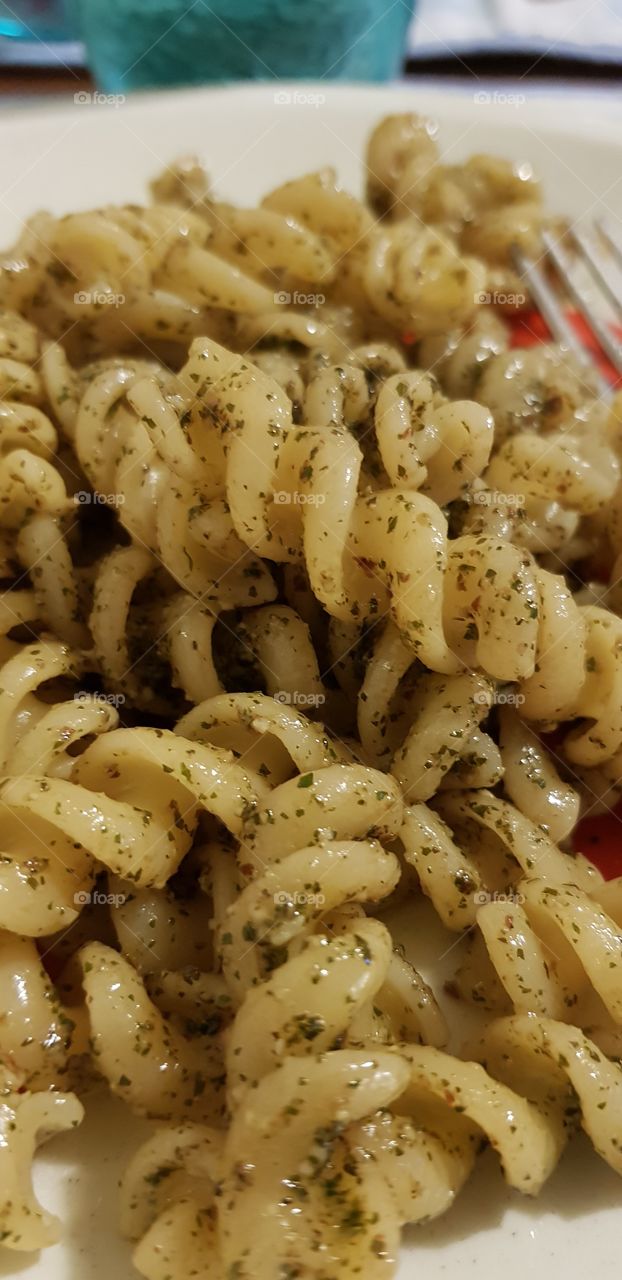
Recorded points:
528,329
600,839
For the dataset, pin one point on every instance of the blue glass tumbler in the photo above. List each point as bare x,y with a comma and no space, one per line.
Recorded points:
135,44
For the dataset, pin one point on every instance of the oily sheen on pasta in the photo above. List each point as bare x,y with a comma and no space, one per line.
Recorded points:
310,641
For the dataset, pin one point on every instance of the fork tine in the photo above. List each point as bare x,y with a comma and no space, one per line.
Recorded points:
612,234
549,306
582,301
606,272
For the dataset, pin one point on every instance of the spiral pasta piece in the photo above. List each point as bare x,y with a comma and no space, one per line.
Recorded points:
559,1065
153,841
54,828
442,1108
146,1058
475,842
33,493
37,736
39,1035
43,876
191,534
488,203
273,739
24,1116
415,275
532,779
558,484
549,947
428,442
174,1223
123,648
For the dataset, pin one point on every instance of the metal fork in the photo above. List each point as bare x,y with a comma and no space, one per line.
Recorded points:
589,265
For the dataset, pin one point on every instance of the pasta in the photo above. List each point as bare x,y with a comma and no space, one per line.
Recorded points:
24,1115
309,613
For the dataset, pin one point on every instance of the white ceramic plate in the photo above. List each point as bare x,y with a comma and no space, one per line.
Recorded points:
77,156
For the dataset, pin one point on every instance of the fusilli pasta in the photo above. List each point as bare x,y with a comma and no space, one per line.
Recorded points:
309,611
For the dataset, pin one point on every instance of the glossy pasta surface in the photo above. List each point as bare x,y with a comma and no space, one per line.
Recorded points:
310,613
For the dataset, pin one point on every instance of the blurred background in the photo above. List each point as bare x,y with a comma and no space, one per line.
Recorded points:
119,46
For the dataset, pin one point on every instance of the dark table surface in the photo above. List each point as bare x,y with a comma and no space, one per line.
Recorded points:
547,71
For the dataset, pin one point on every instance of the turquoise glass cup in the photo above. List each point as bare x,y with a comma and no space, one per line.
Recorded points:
140,44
